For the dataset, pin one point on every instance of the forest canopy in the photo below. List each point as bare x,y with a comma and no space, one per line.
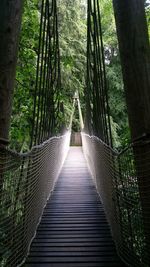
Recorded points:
72,24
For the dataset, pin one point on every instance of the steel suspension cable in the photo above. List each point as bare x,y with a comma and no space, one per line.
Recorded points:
97,108
48,80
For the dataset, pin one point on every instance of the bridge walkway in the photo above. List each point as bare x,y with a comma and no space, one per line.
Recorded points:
73,231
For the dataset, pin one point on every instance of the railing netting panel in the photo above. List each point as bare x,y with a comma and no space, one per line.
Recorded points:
117,184
26,181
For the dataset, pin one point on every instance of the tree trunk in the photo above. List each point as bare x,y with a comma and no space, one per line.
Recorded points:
10,21
135,60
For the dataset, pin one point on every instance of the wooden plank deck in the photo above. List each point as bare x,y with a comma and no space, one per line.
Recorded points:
73,231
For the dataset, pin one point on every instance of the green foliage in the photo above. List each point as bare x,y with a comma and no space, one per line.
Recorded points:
21,121
147,11
118,110
72,33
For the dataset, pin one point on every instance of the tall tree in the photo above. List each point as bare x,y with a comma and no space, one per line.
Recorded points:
117,105
10,21
135,60
22,108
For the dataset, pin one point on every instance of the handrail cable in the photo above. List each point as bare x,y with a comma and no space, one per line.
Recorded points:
26,184
117,182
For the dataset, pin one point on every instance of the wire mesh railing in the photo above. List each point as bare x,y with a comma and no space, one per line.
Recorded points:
117,181
26,181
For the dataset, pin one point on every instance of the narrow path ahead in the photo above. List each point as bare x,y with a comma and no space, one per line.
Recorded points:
73,231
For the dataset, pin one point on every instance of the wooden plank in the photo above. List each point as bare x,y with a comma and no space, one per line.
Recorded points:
77,264
69,244
72,259
73,231
73,249
72,240
72,253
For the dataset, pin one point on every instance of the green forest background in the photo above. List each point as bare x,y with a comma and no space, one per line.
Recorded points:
72,22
